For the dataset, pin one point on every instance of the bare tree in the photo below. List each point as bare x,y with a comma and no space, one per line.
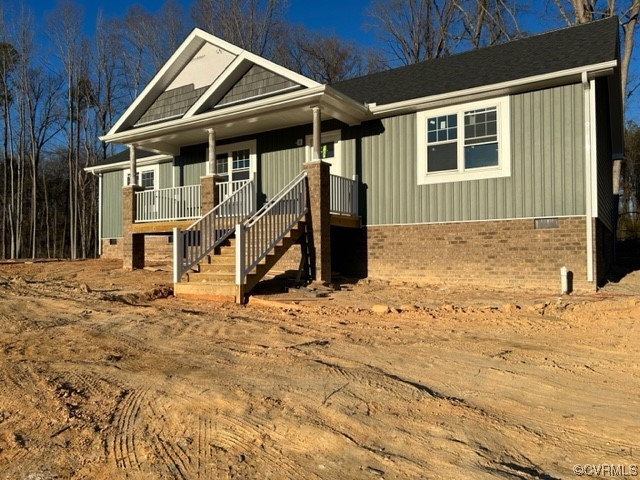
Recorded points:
249,24
326,59
64,29
584,11
414,30
488,22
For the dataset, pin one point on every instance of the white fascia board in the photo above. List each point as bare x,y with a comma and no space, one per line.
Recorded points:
157,84
307,96
143,162
504,88
194,41
353,111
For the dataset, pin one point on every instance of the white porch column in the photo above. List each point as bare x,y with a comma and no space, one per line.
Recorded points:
212,151
316,133
132,165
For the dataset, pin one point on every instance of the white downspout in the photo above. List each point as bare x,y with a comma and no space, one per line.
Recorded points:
589,152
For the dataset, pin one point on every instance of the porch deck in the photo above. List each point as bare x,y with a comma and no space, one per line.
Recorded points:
160,211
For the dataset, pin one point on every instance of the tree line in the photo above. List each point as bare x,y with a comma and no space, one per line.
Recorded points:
61,89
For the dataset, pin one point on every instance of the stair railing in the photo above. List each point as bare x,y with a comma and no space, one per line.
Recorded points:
259,235
199,239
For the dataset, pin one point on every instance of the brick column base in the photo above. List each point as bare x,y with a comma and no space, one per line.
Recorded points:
208,193
319,220
132,244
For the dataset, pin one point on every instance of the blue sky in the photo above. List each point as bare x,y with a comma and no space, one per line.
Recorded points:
349,24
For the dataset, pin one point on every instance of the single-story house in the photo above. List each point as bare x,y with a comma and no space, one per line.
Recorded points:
489,167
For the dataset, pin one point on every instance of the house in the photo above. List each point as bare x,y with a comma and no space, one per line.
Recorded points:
490,167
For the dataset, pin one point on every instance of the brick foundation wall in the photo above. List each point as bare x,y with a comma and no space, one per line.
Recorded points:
156,249
492,253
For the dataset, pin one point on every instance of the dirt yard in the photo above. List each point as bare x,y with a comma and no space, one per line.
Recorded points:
105,376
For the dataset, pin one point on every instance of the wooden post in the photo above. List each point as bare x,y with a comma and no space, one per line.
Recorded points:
239,263
316,133
212,151
132,166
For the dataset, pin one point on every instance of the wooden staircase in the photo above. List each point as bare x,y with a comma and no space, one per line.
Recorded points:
215,276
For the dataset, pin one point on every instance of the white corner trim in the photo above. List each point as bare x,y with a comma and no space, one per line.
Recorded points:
503,169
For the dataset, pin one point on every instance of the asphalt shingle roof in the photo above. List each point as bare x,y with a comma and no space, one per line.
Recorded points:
563,49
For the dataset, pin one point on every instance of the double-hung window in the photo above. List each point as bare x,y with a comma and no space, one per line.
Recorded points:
465,142
146,177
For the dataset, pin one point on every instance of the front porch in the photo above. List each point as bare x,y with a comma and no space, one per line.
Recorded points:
202,218
162,210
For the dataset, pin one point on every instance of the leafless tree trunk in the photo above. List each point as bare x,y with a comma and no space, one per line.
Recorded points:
584,11
249,24
64,28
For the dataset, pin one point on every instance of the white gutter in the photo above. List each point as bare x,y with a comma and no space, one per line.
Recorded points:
588,88
141,162
598,69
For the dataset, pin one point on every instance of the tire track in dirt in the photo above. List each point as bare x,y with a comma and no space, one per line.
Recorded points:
124,437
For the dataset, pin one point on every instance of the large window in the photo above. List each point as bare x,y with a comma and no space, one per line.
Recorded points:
467,142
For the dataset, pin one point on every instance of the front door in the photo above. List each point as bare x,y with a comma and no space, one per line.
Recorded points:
329,151
235,165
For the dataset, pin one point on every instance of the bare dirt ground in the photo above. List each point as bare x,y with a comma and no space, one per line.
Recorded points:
102,376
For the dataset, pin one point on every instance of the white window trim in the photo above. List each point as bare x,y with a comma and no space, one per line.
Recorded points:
156,174
334,136
249,144
503,169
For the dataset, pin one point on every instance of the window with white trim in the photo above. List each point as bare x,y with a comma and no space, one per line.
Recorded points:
147,177
465,142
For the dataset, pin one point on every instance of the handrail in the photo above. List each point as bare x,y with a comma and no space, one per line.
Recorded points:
259,235
199,239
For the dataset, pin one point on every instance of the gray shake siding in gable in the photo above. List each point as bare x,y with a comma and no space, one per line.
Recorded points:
257,81
172,103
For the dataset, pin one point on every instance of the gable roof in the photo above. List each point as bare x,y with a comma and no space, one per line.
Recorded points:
202,70
565,49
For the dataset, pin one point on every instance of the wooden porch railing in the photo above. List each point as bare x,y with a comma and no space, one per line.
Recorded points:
344,195
225,188
180,203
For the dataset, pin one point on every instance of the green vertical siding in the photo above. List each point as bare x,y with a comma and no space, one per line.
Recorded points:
165,174
280,159
112,183
547,167
190,165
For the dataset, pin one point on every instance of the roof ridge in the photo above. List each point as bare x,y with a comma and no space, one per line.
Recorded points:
486,48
